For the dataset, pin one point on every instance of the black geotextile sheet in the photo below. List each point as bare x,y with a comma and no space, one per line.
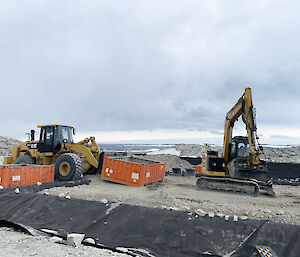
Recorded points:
160,232
281,173
284,173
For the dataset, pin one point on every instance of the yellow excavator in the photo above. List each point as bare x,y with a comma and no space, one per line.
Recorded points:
239,169
56,146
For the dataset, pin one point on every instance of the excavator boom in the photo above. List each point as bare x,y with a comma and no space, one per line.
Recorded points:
244,107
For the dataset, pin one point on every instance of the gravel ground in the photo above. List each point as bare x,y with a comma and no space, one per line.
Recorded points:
179,193
18,244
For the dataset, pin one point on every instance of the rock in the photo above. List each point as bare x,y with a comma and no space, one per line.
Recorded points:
89,240
39,183
61,195
243,217
122,249
17,191
50,231
226,217
104,201
55,239
235,218
74,239
211,214
200,212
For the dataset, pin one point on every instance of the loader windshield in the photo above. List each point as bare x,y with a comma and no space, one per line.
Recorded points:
66,134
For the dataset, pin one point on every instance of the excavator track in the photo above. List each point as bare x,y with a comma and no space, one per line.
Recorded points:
228,184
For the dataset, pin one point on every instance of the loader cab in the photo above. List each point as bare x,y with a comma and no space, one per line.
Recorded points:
239,147
53,136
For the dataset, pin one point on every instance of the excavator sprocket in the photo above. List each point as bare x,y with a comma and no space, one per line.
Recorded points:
228,184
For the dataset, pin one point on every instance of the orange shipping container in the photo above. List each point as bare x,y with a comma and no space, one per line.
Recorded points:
132,171
24,175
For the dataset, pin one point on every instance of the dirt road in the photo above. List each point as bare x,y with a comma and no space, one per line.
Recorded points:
179,193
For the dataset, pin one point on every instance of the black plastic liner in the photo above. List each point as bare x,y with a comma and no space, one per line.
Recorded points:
43,186
192,160
284,173
284,170
160,232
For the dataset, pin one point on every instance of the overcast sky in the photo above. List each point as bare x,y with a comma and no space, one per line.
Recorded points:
149,71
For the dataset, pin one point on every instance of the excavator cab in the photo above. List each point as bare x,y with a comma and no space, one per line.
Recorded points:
239,147
53,136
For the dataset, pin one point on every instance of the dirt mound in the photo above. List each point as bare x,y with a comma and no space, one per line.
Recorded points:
195,149
6,144
172,161
271,154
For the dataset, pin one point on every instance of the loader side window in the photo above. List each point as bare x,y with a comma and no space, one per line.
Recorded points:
46,140
48,135
42,136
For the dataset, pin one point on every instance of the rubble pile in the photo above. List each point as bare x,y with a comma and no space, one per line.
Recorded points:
172,161
289,154
6,144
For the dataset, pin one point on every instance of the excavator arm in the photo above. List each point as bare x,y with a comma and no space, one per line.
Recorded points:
244,108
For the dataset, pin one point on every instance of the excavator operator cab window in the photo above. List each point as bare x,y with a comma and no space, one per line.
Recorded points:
243,150
233,150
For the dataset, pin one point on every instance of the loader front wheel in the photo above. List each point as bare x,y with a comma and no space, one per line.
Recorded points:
68,166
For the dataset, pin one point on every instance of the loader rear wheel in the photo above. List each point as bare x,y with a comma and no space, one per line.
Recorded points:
24,159
68,166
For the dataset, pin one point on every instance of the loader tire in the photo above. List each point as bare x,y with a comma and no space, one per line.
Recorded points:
24,159
68,167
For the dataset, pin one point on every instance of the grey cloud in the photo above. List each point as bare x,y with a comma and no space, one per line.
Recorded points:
280,136
130,65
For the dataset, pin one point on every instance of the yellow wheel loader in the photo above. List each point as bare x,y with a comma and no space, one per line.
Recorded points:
239,169
56,146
